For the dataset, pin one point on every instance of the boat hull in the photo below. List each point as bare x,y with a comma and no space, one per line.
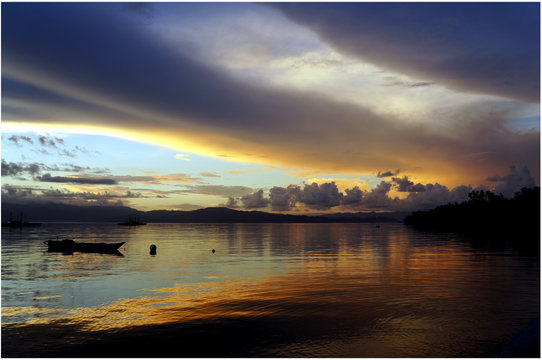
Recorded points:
71,246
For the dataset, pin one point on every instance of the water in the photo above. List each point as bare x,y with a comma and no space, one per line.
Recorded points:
289,290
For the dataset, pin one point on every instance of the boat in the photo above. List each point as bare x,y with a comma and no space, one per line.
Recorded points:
133,221
68,245
18,223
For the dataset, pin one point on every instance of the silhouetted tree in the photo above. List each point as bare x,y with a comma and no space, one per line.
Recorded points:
487,213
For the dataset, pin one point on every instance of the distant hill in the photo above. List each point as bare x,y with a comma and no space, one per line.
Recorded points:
60,212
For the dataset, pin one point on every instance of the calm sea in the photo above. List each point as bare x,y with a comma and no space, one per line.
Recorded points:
288,290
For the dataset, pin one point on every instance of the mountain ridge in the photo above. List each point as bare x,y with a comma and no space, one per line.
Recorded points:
62,212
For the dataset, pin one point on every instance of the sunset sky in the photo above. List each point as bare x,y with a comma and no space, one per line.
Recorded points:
290,107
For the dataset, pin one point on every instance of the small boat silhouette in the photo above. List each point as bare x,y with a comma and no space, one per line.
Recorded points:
68,245
18,223
133,221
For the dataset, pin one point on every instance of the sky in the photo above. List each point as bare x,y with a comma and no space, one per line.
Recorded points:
283,107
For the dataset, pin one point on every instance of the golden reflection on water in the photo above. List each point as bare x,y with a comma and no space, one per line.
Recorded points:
402,271
384,287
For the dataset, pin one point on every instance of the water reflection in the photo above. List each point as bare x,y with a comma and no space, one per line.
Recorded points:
334,289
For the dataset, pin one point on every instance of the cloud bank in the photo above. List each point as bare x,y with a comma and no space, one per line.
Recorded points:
327,196
490,48
65,73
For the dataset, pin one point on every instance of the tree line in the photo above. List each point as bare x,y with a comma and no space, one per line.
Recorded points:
487,213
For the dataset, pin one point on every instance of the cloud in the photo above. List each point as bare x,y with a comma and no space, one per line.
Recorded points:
26,195
235,172
15,169
405,185
75,180
182,157
153,91
408,84
67,153
218,190
52,143
33,169
515,180
157,179
47,141
16,138
377,198
282,199
74,168
321,196
254,201
326,196
475,47
208,174
250,170
145,10
185,207
387,173
352,196
232,203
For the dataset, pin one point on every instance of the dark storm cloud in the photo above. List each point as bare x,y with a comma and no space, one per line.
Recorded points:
76,180
93,62
143,73
489,48
146,77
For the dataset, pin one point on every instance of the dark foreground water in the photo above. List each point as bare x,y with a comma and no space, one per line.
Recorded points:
288,290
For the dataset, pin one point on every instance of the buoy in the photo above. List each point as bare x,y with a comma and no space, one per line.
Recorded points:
153,249
213,251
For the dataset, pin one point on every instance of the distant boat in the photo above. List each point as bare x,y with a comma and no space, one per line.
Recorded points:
133,221
68,245
18,223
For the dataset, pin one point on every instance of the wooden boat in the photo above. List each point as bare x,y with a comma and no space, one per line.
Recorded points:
68,245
